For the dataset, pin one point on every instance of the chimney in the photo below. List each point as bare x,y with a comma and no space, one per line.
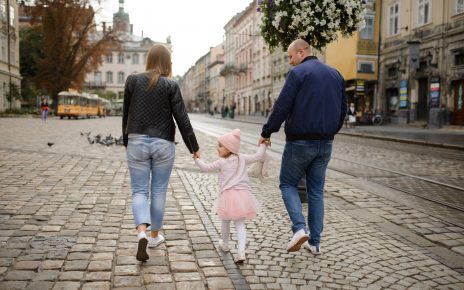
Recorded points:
104,26
132,28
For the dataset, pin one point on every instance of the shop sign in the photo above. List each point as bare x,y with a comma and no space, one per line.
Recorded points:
403,94
360,87
434,92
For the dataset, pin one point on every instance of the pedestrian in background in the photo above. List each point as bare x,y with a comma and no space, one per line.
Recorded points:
313,105
235,201
352,116
151,100
44,109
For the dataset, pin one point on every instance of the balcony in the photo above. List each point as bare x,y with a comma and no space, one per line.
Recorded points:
228,69
96,85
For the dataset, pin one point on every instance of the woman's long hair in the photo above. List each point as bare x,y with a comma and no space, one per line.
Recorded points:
158,64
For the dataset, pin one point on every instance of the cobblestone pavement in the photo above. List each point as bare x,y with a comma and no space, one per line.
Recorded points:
66,223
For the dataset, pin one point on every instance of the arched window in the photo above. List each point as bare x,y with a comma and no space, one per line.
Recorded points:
121,57
109,58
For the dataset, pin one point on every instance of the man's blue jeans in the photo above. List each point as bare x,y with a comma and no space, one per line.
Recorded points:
305,158
150,161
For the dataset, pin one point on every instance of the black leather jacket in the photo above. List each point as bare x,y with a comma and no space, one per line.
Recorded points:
151,111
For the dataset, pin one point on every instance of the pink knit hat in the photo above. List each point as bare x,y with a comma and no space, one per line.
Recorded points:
231,141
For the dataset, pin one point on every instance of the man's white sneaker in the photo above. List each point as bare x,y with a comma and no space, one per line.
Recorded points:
153,242
223,247
316,250
297,240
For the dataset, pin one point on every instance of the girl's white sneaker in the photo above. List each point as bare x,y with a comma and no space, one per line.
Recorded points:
241,258
223,247
153,242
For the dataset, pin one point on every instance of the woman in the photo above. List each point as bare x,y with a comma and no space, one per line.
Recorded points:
151,100
44,108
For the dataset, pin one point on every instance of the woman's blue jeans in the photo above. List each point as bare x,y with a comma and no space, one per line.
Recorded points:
150,161
305,158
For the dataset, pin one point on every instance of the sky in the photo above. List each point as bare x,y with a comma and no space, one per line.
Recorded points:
194,26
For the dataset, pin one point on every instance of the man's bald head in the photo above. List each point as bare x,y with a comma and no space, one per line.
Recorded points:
297,51
300,44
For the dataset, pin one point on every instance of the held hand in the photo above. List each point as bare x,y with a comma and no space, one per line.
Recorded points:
266,141
196,155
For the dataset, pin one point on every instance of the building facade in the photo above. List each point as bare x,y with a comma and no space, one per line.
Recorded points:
118,64
242,35
261,72
10,78
216,80
356,58
422,62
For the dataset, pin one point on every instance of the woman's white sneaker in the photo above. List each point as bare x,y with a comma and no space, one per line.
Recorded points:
153,242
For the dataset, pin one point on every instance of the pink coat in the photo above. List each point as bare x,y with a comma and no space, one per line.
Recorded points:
233,170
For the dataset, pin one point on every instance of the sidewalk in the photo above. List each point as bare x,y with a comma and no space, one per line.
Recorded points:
447,137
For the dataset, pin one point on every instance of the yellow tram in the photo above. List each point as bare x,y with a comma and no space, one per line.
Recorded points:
76,105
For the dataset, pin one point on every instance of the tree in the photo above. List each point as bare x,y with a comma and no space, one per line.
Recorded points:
30,51
72,46
316,21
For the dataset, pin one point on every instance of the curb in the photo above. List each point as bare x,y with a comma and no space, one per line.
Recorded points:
401,140
371,136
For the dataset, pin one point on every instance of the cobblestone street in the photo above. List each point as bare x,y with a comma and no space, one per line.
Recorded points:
66,223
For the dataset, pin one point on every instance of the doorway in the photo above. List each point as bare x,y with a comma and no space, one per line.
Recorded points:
392,101
422,104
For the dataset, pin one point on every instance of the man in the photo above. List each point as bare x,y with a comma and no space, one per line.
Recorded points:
313,105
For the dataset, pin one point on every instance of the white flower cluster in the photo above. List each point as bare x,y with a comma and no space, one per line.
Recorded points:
316,20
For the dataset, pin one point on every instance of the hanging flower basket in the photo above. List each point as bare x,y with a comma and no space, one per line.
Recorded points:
316,21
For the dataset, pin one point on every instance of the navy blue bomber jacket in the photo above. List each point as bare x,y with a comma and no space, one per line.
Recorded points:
312,103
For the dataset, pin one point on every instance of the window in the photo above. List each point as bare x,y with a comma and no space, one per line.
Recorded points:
145,58
366,67
459,6
135,58
109,77
2,8
424,12
121,57
109,58
98,77
392,71
12,16
121,78
394,19
368,31
459,59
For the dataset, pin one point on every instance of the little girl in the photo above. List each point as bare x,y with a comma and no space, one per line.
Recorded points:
235,202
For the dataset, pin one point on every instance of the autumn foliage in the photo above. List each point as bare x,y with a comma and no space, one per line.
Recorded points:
72,46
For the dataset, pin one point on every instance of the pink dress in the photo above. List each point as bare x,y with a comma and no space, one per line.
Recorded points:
235,199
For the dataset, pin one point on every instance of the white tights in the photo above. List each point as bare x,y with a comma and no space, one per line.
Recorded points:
239,228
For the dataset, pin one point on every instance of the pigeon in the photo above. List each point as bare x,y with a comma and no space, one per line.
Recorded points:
50,144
